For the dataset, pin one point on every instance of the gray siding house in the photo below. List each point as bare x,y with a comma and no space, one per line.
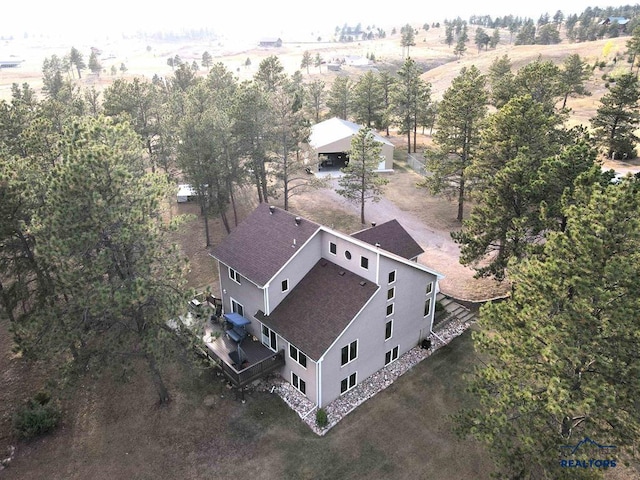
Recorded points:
341,307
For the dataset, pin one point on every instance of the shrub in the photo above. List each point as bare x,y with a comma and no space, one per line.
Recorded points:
38,416
321,418
439,306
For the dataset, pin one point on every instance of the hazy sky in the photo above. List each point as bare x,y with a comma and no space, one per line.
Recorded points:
262,17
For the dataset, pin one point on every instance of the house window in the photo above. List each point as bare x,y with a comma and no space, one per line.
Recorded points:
269,338
427,307
347,254
285,285
298,356
364,262
391,293
429,288
237,308
349,352
348,383
391,355
298,383
333,248
233,275
388,330
390,309
392,276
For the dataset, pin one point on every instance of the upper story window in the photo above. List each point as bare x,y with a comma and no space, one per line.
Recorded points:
349,352
429,288
333,248
233,275
391,293
427,307
298,356
285,285
364,262
388,330
392,276
390,309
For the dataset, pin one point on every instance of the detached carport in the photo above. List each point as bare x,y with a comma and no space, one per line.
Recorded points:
331,140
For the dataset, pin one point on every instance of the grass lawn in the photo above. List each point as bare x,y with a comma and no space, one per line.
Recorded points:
115,431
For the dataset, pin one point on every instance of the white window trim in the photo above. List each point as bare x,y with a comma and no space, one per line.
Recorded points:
348,387
392,359
232,301
395,277
393,309
392,296
354,358
425,301
298,355
385,330
235,275
333,243
287,289
365,258
297,387
430,286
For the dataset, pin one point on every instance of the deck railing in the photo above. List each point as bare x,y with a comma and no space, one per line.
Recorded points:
240,378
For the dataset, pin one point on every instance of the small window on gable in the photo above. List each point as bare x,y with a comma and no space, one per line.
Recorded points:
390,309
333,248
285,285
233,275
391,293
364,262
392,276
429,288
347,255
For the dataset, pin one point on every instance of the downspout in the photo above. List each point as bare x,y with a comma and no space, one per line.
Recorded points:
319,383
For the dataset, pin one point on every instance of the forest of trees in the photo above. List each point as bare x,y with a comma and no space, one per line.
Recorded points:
88,273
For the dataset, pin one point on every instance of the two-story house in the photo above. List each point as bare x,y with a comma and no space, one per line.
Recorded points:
341,307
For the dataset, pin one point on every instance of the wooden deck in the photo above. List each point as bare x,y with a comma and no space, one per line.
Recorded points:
260,360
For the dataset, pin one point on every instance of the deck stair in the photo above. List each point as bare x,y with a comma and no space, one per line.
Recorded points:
455,311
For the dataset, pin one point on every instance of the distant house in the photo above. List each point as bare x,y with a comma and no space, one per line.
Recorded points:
11,63
330,142
337,308
271,42
621,21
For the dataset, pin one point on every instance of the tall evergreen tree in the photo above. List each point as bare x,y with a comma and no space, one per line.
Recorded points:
315,94
360,182
463,106
574,74
501,80
617,118
307,60
340,99
410,95
559,357
368,100
270,73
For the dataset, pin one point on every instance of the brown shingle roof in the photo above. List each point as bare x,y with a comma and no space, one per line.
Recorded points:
391,237
263,243
319,308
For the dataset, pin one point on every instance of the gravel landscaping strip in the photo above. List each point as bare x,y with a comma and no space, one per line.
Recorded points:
366,389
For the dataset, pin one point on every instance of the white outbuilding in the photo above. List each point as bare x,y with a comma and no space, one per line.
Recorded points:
330,142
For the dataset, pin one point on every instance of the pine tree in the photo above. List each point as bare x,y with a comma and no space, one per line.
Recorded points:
306,60
573,76
340,99
463,106
360,182
411,94
368,100
617,118
559,357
